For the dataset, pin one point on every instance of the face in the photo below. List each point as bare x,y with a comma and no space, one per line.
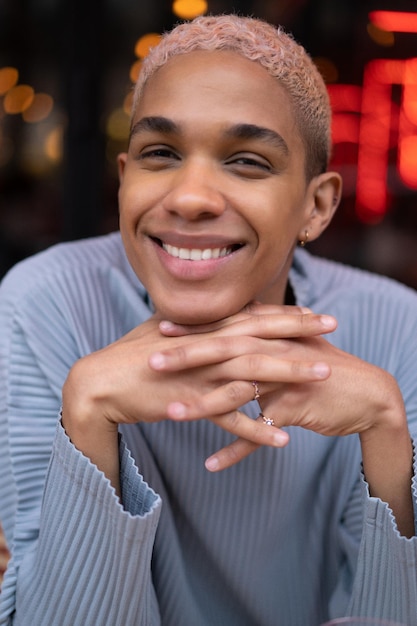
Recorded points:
213,195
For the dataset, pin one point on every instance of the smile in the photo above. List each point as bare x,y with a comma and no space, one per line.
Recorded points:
197,254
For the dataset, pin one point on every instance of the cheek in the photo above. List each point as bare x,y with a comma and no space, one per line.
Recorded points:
130,205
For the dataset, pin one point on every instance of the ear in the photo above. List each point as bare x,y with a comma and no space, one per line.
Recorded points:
121,163
323,197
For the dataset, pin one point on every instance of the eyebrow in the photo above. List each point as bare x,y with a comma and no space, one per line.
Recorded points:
157,124
252,131
166,126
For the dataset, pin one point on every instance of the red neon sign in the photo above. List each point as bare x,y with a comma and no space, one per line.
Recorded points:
369,117
394,21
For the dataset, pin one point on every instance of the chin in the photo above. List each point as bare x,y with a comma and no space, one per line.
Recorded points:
192,316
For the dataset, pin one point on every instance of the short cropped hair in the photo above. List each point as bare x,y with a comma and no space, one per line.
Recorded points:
277,52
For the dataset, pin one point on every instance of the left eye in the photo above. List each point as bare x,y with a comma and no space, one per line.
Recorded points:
248,164
158,153
249,161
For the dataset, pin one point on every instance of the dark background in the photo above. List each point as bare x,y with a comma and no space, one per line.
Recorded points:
58,177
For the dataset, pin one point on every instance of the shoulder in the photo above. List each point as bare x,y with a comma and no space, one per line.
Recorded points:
325,281
67,266
84,291
68,256
377,316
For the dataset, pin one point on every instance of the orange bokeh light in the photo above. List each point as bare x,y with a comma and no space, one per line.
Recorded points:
143,45
188,9
8,79
18,99
41,106
135,70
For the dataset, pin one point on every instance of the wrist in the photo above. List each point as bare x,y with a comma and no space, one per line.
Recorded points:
88,429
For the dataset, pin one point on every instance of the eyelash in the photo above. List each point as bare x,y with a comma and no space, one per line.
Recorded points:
248,161
159,153
239,162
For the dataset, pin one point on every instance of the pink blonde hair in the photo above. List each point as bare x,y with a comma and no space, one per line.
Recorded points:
277,52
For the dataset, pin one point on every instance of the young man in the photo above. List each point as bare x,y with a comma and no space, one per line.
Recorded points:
198,334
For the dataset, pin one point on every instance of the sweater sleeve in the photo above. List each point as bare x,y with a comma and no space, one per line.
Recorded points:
378,580
385,583
70,538
384,579
91,562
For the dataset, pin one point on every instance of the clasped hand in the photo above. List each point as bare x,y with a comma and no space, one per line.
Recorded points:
161,370
303,379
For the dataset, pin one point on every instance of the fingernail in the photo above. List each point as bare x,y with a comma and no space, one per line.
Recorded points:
327,321
212,463
166,325
177,410
157,360
280,439
321,370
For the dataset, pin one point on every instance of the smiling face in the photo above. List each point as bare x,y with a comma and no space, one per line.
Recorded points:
213,194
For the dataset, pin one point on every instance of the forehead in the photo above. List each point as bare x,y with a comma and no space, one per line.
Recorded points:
221,86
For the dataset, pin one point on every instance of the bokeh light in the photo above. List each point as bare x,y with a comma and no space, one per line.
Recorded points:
145,43
118,125
18,99
410,90
188,9
41,106
54,144
396,21
134,71
407,161
128,103
8,79
42,148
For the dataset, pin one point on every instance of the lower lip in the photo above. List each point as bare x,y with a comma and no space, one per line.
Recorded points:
192,270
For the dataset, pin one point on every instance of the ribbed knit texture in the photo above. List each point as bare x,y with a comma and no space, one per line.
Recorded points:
285,538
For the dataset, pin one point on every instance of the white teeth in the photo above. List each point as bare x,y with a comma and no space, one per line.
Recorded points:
196,254
183,253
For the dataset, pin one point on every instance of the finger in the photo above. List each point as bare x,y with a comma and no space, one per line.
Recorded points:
230,455
236,393
237,451
171,329
254,430
258,308
282,325
222,346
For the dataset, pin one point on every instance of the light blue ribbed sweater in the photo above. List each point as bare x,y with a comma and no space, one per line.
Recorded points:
285,538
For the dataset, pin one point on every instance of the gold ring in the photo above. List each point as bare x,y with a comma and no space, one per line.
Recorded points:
256,388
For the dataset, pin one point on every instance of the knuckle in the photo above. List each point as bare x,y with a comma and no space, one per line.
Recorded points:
179,353
296,369
255,362
234,393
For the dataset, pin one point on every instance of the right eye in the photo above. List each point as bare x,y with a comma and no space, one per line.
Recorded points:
157,153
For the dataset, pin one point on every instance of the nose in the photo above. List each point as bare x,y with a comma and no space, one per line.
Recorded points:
195,193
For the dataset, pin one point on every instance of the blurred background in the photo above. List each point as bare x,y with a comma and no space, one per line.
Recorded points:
66,72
